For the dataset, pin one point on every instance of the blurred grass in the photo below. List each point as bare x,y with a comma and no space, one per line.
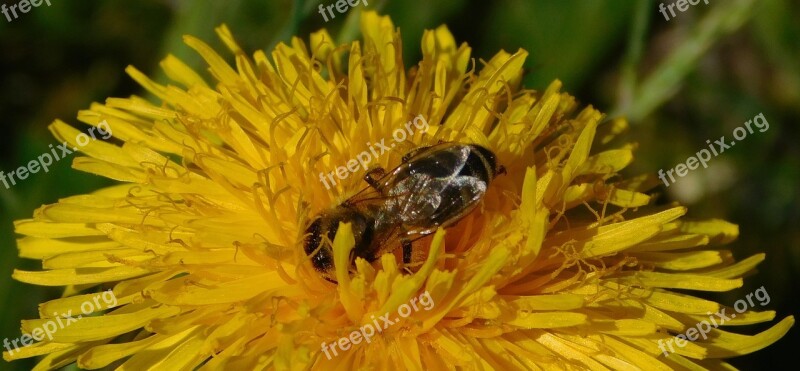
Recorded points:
667,77
693,78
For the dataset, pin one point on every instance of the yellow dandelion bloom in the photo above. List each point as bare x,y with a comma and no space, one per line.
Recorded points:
565,265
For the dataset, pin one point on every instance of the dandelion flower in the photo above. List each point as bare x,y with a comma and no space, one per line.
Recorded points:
565,265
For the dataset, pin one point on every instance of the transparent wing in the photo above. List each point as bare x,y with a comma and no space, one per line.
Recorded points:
460,196
438,161
420,195
448,160
428,203
417,198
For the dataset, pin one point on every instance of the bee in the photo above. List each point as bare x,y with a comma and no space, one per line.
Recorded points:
433,187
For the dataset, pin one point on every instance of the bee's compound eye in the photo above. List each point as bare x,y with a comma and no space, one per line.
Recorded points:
323,260
313,236
321,257
332,229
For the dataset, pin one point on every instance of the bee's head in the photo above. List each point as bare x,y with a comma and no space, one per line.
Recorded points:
322,231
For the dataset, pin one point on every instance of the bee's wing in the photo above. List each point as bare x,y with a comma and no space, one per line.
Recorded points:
367,195
415,198
431,185
428,204
460,196
396,209
422,194
438,161
442,203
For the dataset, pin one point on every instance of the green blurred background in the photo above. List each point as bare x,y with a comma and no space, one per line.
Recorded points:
680,82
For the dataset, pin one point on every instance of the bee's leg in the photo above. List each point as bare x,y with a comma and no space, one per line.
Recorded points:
373,175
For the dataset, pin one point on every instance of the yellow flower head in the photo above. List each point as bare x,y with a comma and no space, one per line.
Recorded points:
565,264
